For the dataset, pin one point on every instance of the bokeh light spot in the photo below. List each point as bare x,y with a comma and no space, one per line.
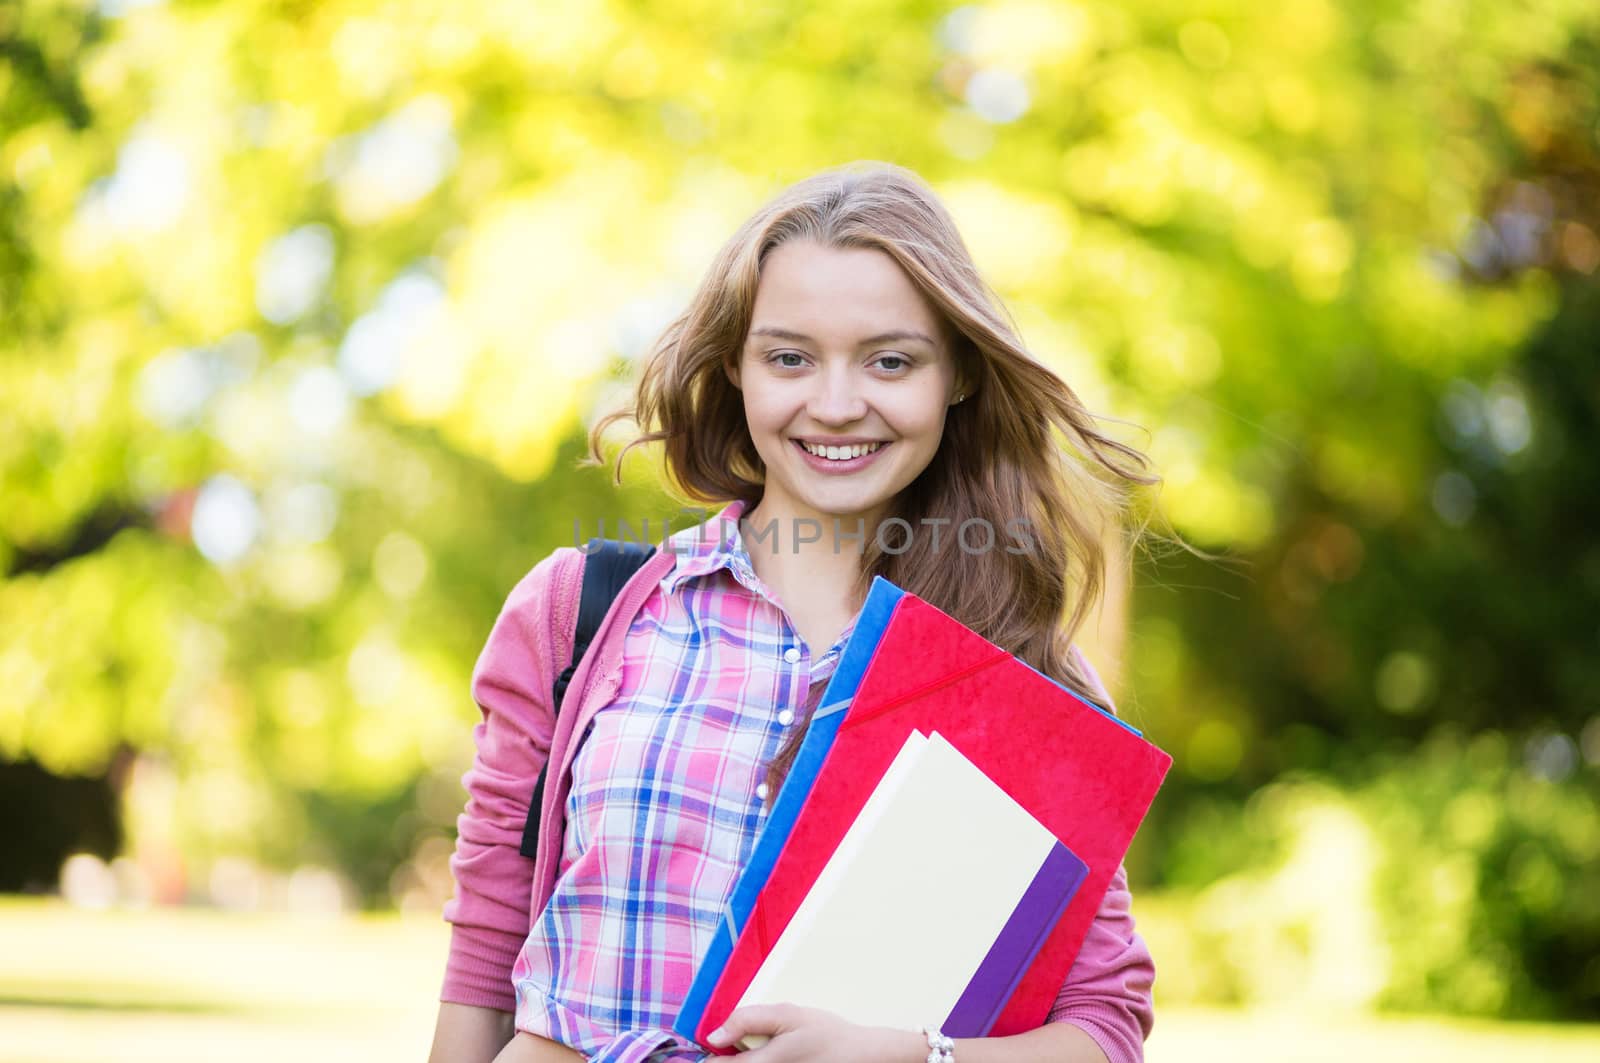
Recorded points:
226,520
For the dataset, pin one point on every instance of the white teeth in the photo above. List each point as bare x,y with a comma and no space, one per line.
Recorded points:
855,450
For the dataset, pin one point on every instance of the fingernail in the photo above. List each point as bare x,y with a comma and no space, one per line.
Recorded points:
717,1036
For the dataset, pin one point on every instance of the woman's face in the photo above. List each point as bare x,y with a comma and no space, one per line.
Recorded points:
843,353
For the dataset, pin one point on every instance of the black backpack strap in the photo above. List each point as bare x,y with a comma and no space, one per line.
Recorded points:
608,567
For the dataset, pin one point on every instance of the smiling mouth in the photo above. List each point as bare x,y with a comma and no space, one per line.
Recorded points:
845,453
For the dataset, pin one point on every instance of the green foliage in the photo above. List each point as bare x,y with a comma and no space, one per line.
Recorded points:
1491,891
1452,878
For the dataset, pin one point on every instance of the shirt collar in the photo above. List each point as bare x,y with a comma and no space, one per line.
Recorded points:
707,547
718,544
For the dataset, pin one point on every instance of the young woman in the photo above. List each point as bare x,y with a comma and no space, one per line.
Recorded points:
847,386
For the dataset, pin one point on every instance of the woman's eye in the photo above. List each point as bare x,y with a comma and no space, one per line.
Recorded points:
782,355
899,362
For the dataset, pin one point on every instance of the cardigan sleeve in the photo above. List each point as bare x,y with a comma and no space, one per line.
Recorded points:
511,684
1107,993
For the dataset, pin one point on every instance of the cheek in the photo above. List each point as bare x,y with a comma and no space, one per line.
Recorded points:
920,415
763,415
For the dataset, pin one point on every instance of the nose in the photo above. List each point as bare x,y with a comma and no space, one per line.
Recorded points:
837,397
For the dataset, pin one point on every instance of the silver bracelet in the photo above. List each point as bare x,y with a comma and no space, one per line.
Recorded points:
940,1048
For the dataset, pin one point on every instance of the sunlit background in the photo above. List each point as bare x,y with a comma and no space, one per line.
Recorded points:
305,307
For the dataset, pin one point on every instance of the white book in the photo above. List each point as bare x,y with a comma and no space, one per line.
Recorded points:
907,910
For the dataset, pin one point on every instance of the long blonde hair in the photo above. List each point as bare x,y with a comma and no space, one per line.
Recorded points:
1021,445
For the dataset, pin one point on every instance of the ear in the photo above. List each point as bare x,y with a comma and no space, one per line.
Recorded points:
730,369
960,388
966,371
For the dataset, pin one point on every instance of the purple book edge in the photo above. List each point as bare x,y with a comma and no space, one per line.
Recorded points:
1019,941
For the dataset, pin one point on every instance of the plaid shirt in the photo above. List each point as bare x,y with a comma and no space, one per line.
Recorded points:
667,800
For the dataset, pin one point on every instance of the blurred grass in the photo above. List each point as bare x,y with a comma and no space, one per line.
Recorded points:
193,985
178,985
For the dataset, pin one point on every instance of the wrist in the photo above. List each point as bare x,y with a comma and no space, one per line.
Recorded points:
904,1046
941,1049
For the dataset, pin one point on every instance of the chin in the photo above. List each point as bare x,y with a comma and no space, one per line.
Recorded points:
843,508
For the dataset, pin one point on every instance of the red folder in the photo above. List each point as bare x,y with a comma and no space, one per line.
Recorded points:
1084,775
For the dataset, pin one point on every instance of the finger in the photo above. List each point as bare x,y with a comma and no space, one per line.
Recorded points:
767,1019
784,1047
761,1050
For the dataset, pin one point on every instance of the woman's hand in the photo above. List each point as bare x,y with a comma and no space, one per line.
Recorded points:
800,1035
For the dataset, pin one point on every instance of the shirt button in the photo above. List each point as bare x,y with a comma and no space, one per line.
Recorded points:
786,717
761,791
791,655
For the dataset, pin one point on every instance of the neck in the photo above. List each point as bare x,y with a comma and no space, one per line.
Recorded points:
805,553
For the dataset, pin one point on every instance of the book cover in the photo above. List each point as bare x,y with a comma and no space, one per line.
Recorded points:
930,936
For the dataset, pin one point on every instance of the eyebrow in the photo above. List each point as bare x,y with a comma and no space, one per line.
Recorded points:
883,337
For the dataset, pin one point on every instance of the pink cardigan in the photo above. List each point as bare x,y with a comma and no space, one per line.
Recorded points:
498,892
